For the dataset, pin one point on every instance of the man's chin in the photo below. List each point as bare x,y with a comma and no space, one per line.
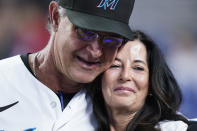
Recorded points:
84,79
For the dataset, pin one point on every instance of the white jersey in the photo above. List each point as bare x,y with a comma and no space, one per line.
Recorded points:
28,105
172,126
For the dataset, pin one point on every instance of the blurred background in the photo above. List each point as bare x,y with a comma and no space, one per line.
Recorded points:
171,23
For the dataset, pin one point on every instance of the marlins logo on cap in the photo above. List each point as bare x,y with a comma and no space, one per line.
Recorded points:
108,3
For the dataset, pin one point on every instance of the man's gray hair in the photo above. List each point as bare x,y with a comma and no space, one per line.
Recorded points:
62,13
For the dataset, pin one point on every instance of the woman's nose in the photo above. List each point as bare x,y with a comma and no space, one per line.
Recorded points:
126,75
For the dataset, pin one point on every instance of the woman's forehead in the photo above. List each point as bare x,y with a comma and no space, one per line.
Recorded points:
132,49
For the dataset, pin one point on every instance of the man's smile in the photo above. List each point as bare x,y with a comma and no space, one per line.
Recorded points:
87,64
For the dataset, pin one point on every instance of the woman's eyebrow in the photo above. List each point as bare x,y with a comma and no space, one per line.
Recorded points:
140,61
117,59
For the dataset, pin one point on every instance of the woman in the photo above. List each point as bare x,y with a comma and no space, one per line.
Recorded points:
138,92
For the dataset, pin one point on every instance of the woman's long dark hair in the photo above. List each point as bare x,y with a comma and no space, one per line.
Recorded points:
162,102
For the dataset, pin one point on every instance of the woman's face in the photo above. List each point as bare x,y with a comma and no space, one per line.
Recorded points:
125,83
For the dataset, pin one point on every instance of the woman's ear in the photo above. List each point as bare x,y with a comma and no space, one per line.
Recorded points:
54,15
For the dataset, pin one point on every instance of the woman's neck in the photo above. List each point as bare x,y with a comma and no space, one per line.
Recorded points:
119,119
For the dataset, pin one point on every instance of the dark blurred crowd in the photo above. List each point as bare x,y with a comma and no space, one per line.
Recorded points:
22,26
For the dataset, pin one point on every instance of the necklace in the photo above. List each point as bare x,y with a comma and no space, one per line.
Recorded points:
34,65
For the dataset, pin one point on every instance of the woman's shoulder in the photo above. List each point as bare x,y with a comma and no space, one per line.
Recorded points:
192,125
168,125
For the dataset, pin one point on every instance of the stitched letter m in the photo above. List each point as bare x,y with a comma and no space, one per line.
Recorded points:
108,3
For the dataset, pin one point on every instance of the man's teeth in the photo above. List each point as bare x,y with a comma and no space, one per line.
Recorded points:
89,63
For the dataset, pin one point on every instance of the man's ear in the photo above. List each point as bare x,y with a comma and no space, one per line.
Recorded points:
54,15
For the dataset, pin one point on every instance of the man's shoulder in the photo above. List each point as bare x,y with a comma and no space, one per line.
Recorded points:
11,68
9,62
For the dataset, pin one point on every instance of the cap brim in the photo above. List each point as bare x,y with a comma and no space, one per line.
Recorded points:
98,23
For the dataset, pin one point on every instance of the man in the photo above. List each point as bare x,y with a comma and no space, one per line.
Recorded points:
84,39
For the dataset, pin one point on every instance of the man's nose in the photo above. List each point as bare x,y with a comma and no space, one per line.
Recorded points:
95,48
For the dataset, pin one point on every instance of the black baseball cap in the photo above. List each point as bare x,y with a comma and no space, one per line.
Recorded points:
101,15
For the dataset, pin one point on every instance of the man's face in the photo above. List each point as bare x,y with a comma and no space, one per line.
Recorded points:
80,61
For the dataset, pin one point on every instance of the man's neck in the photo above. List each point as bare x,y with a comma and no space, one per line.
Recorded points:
47,73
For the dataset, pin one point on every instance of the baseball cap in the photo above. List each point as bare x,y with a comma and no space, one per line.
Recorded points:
101,15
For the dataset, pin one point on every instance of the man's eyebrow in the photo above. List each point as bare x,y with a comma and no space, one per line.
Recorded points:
140,61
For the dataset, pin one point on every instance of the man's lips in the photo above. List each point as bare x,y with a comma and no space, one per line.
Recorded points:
87,64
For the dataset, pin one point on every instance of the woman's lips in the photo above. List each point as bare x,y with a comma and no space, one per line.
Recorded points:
124,89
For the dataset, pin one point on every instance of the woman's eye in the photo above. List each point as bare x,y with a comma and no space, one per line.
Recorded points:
139,68
114,66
